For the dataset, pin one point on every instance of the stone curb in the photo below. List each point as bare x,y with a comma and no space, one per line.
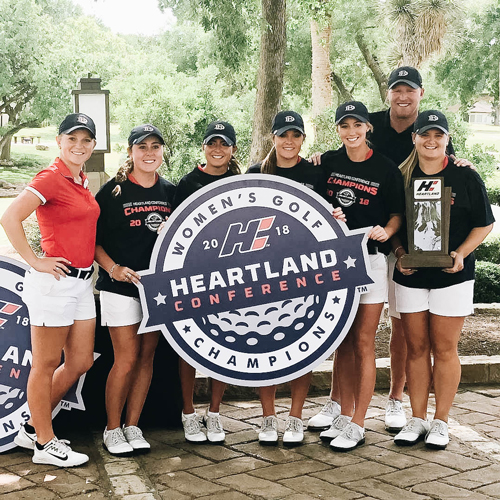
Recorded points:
476,370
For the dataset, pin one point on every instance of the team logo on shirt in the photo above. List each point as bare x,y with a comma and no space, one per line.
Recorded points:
346,197
252,280
15,356
153,221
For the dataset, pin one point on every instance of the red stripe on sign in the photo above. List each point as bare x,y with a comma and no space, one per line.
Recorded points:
266,223
259,243
9,308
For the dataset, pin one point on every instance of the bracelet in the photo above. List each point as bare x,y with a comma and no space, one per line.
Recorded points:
111,269
396,251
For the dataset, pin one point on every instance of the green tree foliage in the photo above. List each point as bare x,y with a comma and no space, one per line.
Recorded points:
44,49
472,66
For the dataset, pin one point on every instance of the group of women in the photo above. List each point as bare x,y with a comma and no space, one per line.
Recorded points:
76,229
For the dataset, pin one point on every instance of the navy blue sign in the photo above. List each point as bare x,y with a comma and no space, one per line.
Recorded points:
15,356
252,280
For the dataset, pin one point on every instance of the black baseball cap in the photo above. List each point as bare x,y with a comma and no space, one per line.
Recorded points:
74,121
287,120
221,129
139,133
407,75
430,119
353,109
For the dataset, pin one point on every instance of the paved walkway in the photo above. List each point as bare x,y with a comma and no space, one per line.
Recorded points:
242,469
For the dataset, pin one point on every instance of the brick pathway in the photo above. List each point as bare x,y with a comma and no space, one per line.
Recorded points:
242,469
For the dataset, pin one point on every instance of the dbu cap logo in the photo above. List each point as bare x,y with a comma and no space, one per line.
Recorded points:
350,107
82,119
433,118
425,189
403,73
148,129
219,126
289,118
253,282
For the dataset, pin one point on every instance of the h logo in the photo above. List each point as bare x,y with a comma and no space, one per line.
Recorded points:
433,118
219,126
403,73
148,129
248,239
7,308
289,119
427,186
350,107
82,119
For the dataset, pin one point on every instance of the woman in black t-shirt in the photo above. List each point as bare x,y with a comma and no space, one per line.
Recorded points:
133,206
433,303
288,136
369,188
219,146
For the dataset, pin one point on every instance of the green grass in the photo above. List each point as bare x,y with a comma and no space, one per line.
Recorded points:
489,135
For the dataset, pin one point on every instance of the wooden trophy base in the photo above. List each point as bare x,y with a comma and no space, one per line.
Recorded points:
426,260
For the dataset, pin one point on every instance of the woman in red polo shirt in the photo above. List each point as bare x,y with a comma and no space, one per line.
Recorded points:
57,287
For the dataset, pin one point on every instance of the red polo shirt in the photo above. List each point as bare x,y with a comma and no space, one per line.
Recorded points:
67,216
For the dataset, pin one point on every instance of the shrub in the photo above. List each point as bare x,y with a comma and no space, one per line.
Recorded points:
489,250
41,147
487,287
493,194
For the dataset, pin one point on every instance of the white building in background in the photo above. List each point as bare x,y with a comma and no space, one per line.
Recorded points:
482,112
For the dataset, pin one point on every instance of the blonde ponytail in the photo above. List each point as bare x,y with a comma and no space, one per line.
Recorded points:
407,167
121,176
270,162
234,165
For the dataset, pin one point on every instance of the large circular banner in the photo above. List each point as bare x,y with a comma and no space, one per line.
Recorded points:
16,356
253,282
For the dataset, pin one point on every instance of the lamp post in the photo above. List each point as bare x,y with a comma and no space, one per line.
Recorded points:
90,99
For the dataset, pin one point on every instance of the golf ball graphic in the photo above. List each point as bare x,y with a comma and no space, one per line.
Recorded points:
250,329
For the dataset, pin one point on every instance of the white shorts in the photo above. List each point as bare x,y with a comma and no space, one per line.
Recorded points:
57,303
119,310
391,297
377,291
454,301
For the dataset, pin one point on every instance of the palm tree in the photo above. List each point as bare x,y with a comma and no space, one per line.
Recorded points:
421,26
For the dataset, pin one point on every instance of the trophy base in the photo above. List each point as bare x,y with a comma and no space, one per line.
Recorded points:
423,260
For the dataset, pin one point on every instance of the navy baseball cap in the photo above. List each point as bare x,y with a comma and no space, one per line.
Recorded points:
75,121
139,133
407,75
287,120
221,129
352,109
431,119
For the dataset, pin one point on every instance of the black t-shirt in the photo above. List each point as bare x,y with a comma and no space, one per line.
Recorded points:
303,172
368,191
470,208
195,180
127,227
394,145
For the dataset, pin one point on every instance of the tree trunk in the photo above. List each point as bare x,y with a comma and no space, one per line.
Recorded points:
497,114
374,66
5,143
321,68
343,91
269,77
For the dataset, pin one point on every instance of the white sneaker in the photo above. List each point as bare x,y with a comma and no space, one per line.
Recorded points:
294,431
215,431
338,425
352,436
269,430
192,428
134,437
412,432
25,439
56,452
395,418
115,442
437,438
324,419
